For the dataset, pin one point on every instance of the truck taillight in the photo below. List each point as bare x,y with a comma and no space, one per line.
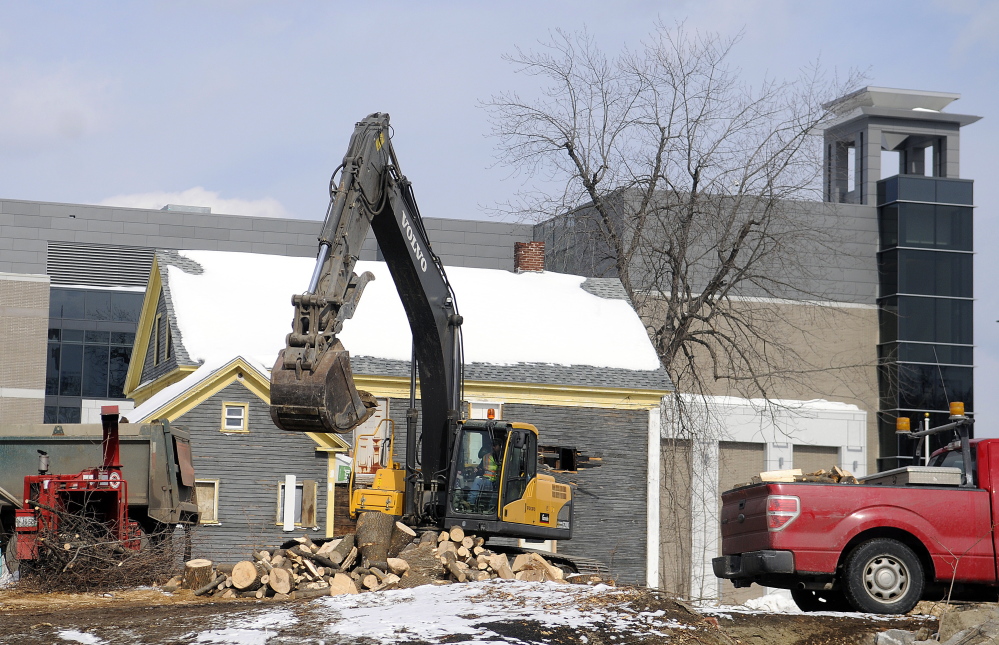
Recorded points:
781,511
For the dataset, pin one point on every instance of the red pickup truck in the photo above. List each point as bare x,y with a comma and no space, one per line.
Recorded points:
875,548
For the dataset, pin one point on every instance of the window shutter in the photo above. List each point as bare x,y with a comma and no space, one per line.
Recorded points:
308,503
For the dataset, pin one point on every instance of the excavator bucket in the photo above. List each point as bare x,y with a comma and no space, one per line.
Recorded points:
324,400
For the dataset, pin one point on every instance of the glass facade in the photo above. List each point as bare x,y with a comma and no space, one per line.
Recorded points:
925,307
91,334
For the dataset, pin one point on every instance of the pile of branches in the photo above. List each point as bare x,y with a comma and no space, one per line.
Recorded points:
83,555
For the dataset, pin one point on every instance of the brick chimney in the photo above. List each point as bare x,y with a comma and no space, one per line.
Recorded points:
528,256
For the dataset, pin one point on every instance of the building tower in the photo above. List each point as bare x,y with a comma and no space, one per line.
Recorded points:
924,258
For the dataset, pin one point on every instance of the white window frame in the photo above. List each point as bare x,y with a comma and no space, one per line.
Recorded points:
226,406
300,511
479,409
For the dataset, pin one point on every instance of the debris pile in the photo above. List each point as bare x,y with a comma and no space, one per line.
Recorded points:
383,554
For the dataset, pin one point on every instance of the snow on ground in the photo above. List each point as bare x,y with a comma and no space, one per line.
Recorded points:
253,630
74,636
430,613
509,318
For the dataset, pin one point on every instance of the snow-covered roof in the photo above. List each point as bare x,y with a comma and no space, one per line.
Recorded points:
229,304
153,404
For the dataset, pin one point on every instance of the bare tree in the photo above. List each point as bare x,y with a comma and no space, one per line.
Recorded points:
661,167
684,182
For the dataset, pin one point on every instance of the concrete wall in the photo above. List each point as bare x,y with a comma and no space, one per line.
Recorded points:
24,318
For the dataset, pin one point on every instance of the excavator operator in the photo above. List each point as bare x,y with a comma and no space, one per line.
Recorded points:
487,483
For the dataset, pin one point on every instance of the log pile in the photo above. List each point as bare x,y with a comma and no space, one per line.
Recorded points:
466,559
372,560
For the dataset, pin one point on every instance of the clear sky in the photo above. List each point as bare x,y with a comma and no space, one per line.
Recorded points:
248,106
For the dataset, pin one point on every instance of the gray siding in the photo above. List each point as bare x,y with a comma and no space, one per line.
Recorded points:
150,371
249,467
609,500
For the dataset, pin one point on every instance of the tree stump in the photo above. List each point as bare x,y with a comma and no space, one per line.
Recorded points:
197,573
374,534
246,575
402,536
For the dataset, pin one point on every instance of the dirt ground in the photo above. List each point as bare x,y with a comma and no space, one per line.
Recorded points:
150,616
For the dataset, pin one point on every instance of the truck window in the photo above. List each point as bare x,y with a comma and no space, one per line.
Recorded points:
955,459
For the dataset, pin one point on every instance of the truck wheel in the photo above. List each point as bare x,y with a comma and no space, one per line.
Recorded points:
883,576
808,600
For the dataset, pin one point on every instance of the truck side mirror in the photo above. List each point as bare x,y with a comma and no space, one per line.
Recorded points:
518,440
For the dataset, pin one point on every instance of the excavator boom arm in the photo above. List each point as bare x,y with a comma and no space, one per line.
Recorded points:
312,385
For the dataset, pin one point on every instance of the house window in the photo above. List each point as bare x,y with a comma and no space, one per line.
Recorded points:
207,491
234,417
169,340
156,339
306,494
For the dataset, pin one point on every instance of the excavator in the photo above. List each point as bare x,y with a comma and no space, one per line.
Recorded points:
481,475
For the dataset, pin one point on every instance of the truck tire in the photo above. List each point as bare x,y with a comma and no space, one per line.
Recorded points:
808,600
883,576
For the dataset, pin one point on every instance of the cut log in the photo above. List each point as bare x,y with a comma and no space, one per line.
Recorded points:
281,596
225,568
248,594
444,535
463,552
478,550
280,581
531,575
307,542
521,562
398,566
246,575
342,549
374,535
446,547
402,536
378,573
305,594
349,561
456,571
468,542
305,554
428,537
228,593
457,534
370,581
197,573
341,584
479,541
205,588
328,547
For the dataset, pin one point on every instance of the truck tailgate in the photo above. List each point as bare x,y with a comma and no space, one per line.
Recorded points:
744,519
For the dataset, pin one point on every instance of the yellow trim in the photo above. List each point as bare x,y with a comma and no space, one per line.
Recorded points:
246,416
144,392
527,393
236,370
144,329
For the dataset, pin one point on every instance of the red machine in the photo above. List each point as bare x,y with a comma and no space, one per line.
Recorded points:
99,493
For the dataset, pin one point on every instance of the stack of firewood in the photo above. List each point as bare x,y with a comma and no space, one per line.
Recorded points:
466,559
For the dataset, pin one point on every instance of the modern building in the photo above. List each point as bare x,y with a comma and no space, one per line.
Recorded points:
896,154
